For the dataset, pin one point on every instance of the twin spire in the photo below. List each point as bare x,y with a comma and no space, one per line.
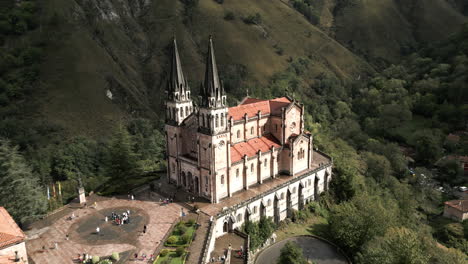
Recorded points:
211,89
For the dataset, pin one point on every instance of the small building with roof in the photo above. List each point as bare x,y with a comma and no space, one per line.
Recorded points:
12,240
456,210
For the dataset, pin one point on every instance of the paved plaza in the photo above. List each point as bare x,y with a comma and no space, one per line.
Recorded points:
112,238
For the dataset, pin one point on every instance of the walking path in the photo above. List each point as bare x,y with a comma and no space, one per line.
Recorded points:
196,248
157,217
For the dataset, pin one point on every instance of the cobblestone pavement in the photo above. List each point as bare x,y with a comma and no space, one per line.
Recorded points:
157,217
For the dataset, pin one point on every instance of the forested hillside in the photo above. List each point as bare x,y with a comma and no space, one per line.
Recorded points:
384,83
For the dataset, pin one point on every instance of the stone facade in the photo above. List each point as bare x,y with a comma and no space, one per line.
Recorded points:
214,151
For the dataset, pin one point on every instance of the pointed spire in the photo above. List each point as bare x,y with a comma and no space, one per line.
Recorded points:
212,84
177,81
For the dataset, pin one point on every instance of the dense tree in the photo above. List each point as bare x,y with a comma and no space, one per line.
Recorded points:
20,191
398,245
354,223
123,162
291,253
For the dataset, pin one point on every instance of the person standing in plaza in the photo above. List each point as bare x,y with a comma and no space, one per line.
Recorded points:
144,229
98,230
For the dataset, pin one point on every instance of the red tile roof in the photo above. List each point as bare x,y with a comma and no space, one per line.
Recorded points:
252,146
251,106
10,233
460,205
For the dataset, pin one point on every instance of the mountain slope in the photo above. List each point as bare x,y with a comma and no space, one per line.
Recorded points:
121,46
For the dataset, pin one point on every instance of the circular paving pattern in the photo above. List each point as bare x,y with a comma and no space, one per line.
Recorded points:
314,249
84,231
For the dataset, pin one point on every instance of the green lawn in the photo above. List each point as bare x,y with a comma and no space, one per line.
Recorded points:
315,225
174,258
190,231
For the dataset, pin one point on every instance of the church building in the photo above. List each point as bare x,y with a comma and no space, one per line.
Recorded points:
215,151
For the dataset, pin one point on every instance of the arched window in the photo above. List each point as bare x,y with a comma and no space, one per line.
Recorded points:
181,112
222,179
186,110
222,119
269,202
309,181
251,167
238,133
255,209
252,130
239,218
217,120
188,95
276,127
237,172
265,163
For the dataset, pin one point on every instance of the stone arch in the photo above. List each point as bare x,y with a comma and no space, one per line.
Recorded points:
184,180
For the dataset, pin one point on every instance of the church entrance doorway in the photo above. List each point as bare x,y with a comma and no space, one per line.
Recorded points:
196,185
228,225
184,183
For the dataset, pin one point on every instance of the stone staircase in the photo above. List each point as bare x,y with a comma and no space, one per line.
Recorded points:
196,248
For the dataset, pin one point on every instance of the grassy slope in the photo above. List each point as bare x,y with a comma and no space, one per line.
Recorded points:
379,29
129,55
132,51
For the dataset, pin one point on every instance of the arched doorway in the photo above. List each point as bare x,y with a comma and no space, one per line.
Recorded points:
196,184
190,181
247,215
228,224
301,196
184,182
288,204
276,214
316,188
262,210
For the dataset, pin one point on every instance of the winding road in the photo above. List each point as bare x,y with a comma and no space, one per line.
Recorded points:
314,249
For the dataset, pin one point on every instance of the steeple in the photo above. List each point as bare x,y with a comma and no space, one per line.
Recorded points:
212,89
177,86
178,104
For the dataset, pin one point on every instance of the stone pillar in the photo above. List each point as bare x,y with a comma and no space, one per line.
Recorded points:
81,195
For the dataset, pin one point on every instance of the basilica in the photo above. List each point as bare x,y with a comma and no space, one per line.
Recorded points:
215,151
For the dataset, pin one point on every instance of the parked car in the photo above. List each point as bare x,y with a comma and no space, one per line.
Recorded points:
463,189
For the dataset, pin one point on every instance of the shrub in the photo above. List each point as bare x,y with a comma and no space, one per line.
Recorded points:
253,19
164,252
180,251
229,15
115,256
105,261
181,223
172,240
191,222
185,238
181,229
95,259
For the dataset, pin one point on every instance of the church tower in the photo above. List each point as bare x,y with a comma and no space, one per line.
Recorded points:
213,107
178,107
179,103
213,134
